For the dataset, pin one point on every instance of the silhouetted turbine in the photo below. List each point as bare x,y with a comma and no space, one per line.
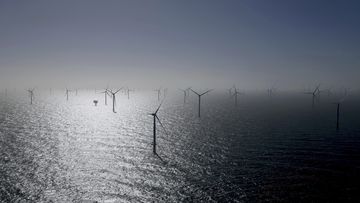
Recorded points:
31,94
67,94
338,112
106,92
186,93
155,117
114,98
314,94
199,96
159,93
236,93
128,92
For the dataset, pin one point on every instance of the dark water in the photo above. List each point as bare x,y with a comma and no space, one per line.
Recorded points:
264,150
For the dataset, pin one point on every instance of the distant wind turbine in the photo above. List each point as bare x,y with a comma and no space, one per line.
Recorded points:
338,112
159,93
128,92
114,97
199,96
67,94
106,93
314,94
271,90
236,94
186,93
155,117
31,94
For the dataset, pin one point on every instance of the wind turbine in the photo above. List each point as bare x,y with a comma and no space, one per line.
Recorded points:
128,92
31,94
271,90
114,97
314,94
67,94
236,93
199,96
155,117
186,93
106,92
338,112
159,93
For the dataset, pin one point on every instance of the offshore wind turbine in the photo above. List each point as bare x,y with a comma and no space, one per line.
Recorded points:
186,93
230,90
314,94
199,96
31,94
67,94
128,92
271,90
338,112
159,93
155,117
236,94
106,93
114,97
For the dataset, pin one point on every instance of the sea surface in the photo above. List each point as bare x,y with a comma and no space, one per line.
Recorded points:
279,149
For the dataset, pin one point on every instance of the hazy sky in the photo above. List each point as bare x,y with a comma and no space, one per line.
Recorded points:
199,42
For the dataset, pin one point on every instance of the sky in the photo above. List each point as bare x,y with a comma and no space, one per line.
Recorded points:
250,43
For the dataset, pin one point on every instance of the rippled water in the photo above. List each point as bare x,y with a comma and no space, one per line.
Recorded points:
278,149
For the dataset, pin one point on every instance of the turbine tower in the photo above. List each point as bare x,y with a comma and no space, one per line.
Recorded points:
31,94
67,94
236,94
106,93
155,117
114,97
338,112
314,94
159,93
186,93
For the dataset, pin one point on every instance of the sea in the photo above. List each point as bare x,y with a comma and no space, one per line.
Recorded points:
264,149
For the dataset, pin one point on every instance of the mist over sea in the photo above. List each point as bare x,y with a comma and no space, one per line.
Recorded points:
278,149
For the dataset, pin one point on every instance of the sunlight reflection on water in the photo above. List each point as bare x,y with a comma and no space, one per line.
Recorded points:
73,151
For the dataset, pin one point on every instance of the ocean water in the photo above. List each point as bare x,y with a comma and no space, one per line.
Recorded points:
278,149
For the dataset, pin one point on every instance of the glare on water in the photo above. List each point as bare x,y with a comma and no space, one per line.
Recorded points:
261,150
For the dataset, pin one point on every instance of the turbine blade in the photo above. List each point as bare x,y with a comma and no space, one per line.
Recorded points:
161,125
118,90
206,92
195,92
317,88
159,107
